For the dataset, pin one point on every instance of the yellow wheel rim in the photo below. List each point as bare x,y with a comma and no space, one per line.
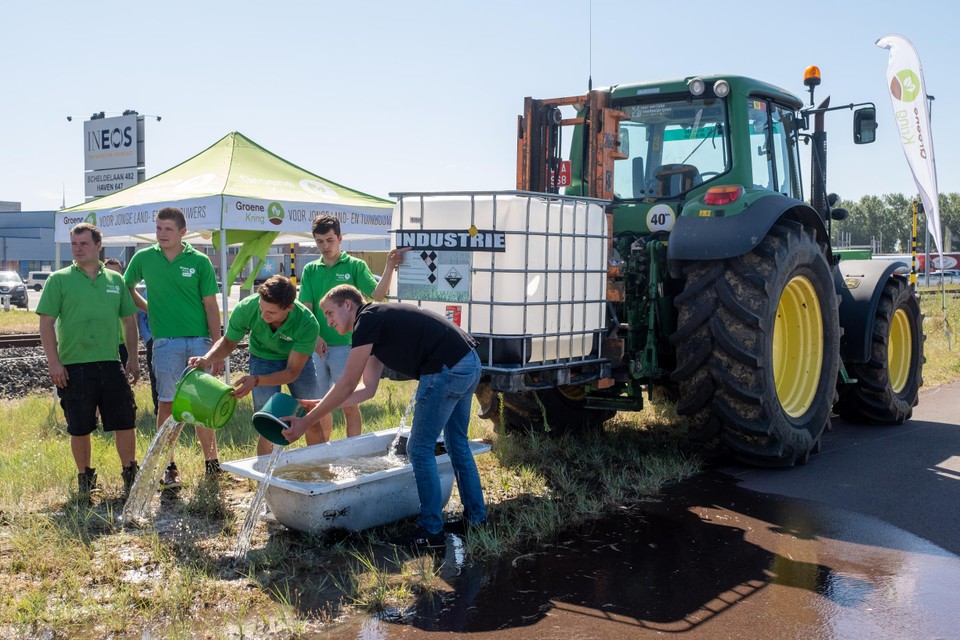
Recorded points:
797,346
899,351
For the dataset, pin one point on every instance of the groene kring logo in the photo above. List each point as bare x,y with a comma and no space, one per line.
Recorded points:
275,213
905,86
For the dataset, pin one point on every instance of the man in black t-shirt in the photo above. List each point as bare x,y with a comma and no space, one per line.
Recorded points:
422,345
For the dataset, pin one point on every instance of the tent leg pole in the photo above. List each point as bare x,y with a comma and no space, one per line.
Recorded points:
224,294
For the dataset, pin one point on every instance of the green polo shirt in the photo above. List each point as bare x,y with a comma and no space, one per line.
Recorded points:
298,332
177,290
318,278
87,312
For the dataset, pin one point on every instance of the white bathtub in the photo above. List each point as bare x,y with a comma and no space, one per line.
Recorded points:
360,503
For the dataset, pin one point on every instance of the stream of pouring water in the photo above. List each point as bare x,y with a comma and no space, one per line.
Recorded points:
136,511
256,507
402,430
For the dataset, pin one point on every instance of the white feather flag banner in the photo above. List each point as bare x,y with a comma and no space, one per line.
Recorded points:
909,98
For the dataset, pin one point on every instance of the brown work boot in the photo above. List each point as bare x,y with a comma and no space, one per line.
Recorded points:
171,477
86,484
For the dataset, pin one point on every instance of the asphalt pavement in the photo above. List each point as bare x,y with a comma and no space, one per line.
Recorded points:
907,475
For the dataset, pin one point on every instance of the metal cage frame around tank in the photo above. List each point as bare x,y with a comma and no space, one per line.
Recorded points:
549,372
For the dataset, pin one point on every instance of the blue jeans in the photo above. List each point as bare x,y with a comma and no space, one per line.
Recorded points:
304,387
443,403
330,368
170,357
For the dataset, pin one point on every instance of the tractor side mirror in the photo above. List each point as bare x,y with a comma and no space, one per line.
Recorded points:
864,125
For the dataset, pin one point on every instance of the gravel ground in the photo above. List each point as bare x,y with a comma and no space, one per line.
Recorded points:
24,370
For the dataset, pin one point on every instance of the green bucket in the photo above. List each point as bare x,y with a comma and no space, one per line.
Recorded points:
267,421
203,399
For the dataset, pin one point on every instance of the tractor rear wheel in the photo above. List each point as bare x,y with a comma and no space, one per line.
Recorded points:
758,341
887,386
557,411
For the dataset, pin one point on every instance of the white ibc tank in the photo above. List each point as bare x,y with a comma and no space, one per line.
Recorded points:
523,273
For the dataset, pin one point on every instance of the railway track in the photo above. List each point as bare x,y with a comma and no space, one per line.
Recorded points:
23,340
19,340
23,365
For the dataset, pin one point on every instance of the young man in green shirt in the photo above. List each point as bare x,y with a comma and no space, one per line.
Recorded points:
333,268
79,310
184,318
283,334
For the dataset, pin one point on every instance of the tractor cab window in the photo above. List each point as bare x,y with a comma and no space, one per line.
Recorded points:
774,158
671,147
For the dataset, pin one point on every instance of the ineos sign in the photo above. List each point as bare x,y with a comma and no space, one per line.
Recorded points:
106,139
110,143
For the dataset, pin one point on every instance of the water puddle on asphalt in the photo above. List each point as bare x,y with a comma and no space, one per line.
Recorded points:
707,559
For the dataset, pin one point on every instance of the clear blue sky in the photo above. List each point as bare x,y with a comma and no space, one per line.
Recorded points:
424,95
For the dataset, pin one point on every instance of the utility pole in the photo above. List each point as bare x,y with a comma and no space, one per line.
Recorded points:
293,263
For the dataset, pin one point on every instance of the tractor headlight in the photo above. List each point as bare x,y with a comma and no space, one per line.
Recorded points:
721,88
696,86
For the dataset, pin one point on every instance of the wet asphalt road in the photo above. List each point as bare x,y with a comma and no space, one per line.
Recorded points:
862,542
907,476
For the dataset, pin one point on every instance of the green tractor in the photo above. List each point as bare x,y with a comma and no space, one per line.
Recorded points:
723,292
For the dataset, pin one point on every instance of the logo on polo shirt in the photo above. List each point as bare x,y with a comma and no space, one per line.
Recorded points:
187,272
343,277
112,288
285,337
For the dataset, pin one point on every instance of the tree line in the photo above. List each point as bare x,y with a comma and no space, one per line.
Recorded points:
885,223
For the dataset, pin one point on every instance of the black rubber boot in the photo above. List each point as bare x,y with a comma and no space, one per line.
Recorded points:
129,475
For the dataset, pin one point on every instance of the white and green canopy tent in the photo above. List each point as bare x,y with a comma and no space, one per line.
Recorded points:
234,192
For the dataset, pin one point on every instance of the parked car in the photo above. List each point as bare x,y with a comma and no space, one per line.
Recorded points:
947,276
11,285
36,279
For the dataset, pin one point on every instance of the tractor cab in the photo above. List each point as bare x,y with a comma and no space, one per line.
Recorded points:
682,147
